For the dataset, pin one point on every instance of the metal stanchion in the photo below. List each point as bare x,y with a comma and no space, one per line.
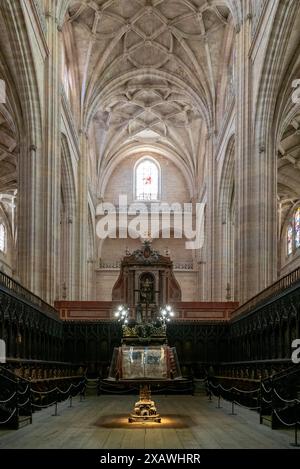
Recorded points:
209,393
30,400
16,425
82,392
296,436
71,401
56,405
260,401
55,412
232,409
219,399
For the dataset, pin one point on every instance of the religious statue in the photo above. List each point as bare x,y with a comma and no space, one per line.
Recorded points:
146,290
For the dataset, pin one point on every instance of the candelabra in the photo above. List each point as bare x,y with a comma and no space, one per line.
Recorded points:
122,314
166,314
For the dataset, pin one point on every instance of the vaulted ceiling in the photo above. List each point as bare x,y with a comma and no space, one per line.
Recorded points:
149,72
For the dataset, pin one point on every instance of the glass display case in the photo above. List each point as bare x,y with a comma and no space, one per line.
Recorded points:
144,363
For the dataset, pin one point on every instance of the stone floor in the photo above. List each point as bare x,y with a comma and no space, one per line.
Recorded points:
189,422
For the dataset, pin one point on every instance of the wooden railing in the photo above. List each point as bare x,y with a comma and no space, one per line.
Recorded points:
282,284
15,287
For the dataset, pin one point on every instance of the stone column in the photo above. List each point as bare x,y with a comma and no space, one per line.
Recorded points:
30,216
246,283
256,164
210,258
82,256
52,158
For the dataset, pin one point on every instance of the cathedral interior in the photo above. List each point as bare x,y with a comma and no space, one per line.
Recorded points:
149,223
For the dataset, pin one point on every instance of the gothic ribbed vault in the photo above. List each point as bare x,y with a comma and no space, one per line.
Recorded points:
150,72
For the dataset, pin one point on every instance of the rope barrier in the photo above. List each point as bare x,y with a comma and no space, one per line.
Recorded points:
258,407
44,406
11,415
283,422
173,390
79,387
233,401
267,402
9,399
245,406
226,390
285,400
58,389
222,387
265,389
44,392
234,388
117,392
65,392
54,403
24,404
213,386
22,393
247,392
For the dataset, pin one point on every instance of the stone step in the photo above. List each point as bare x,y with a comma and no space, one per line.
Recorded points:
24,420
267,420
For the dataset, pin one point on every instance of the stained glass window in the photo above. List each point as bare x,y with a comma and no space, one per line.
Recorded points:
290,239
2,237
297,228
293,233
147,180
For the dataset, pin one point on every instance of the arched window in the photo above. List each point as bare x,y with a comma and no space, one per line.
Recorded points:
290,240
2,237
147,180
297,228
293,233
